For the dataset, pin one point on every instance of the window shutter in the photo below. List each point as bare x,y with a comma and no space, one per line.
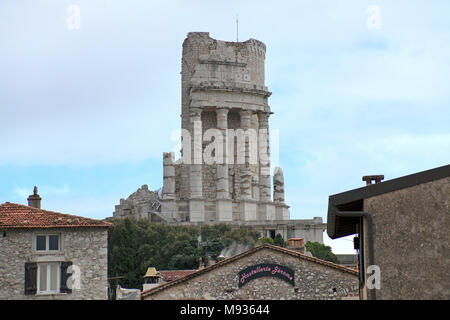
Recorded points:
65,276
30,277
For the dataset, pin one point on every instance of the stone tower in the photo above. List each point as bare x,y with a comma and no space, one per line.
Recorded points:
224,171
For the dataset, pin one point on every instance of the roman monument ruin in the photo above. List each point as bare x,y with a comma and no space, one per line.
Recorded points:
223,173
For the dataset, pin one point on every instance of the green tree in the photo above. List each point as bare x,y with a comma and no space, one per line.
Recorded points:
135,245
321,251
265,240
279,241
241,235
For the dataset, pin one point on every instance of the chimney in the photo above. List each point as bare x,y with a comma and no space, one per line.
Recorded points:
369,179
34,200
296,244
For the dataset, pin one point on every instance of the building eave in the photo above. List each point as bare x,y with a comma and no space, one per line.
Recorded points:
353,200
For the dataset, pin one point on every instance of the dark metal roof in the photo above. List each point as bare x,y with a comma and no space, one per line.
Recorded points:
353,200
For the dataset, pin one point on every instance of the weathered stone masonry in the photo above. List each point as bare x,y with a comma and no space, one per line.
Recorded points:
314,279
411,241
84,247
222,88
223,91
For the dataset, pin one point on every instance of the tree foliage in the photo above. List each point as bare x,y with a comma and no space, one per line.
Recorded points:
135,245
321,251
266,240
279,241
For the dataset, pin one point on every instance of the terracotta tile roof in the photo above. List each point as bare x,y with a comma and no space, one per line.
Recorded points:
243,254
170,275
18,216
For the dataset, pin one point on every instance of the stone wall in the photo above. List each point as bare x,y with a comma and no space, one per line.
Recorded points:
86,248
312,281
138,204
412,241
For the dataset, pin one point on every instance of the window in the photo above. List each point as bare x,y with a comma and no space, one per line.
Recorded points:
41,243
53,242
48,277
47,242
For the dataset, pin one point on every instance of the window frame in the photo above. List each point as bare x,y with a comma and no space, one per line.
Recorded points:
47,242
48,276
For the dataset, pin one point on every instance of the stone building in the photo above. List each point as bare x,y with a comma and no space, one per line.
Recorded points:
402,227
223,174
50,255
142,204
224,100
265,272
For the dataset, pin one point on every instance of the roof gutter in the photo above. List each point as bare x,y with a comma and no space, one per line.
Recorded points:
369,219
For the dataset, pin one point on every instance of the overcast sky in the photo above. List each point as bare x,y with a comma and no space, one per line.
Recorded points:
87,110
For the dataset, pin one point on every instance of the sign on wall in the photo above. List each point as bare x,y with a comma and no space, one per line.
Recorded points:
266,270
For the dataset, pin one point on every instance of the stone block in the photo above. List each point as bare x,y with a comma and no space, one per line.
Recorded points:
248,210
281,212
169,208
224,210
197,210
266,211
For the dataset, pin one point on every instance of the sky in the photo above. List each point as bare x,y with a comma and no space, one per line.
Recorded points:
90,94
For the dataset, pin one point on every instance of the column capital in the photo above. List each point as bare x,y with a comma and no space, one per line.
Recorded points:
263,114
222,118
222,110
245,118
195,112
245,113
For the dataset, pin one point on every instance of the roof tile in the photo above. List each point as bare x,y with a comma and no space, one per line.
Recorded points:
18,216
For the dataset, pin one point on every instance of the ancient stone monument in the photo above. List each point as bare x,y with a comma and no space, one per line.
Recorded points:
222,89
223,174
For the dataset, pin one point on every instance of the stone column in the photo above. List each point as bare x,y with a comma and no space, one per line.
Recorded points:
255,158
168,203
223,191
246,176
196,203
245,125
224,205
248,206
266,208
278,185
168,191
281,209
196,177
264,157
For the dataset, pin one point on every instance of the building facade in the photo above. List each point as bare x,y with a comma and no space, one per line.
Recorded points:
50,255
402,227
265,272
